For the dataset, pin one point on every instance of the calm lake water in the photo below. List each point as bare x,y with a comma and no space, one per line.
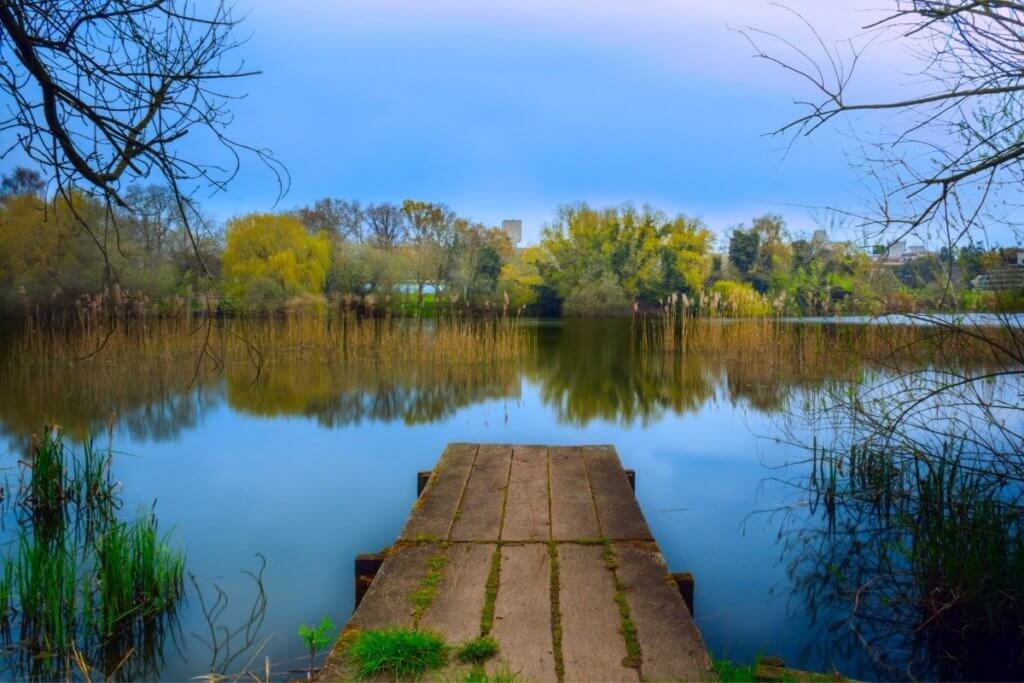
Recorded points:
312,462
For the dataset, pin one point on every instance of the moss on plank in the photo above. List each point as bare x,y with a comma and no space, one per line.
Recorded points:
491,593
634,656
556,612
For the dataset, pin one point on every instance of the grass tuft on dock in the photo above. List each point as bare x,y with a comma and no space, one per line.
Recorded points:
478,650
502,675
397,653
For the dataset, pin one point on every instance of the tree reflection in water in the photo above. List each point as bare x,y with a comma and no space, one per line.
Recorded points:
587,370
917,560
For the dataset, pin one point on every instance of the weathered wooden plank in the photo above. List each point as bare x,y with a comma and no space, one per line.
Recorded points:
479,517
593,648
387,601
434,511
617,510
455,612
522,613
527,514
572,505
672,646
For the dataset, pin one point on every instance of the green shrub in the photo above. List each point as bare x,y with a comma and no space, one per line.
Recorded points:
605,298
264,293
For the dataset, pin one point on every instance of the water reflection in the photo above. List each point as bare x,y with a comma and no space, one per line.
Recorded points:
587,370
217,431
337,395
920,570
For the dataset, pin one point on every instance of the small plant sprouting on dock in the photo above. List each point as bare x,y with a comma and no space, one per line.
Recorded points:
397,653
478,650
316,638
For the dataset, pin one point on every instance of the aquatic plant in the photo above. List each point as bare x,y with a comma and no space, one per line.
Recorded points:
138,575
932,542
80,584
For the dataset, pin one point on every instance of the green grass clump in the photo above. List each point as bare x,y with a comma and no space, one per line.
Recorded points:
478,650
139,575
729,672
396,652
49,484
45,582
502,675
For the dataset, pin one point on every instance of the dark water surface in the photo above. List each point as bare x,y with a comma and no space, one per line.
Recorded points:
313,462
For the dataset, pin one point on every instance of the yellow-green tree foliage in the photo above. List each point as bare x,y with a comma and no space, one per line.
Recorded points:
739,299
28,241
639,251
46,253
269,257
520,278
686,245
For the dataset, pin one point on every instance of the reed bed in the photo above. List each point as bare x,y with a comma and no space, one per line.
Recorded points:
827,348
929,551
344,337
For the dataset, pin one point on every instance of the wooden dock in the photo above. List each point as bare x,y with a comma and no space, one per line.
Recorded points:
546,550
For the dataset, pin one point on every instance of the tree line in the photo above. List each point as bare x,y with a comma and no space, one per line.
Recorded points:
422,257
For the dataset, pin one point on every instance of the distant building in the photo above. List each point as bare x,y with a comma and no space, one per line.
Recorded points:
899,253
514,228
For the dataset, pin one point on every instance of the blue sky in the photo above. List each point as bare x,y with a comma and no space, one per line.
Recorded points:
506,109
510,108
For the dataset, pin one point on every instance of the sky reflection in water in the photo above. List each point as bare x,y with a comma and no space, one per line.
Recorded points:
313,464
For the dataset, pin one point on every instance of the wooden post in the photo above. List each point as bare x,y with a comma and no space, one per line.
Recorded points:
631,476
421,482
366,567
685,584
